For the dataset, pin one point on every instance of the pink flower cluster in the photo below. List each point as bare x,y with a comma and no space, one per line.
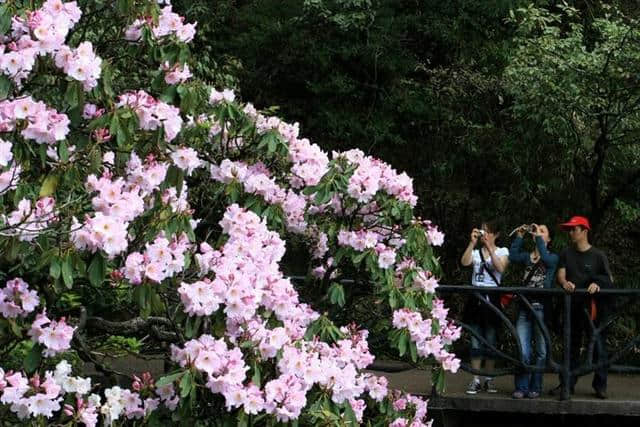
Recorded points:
434,235
226,95
247,277
6,155
409,403
9,179
169,23
373,175
162,259
308,162
27,222
43,125
152,113
54,335
186,159
176,73
255,180
225,367
30,397
37,396
426,281
81,64
178,204
363,240
44,32
16,299
119,201
432,336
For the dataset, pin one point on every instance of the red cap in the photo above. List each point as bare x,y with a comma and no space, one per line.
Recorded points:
576,220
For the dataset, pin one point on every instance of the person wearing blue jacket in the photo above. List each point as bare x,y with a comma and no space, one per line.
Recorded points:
540,269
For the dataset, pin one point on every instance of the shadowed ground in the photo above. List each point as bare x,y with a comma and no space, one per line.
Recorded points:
623,391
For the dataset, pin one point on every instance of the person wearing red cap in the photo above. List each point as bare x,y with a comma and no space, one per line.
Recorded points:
582,266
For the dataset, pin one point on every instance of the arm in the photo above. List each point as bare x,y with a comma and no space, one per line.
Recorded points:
562,279
549,259
603,280
516,254
467,256
499,262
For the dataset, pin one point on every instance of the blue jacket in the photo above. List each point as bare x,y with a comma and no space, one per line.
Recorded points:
550,260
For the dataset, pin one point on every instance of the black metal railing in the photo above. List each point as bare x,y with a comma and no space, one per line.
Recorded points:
595,330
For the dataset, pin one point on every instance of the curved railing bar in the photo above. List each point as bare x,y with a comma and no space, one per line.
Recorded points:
545,333
505,320
486,343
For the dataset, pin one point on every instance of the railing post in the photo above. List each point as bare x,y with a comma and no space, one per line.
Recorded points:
566,363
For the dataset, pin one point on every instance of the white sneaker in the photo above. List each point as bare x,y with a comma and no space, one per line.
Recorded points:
474,386
489,386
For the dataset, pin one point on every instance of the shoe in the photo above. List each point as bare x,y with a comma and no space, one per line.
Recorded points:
533,395
518,394
489,386
601,394
474,386
557,390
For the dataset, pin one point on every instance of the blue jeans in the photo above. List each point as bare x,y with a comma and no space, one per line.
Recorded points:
487,331
528,332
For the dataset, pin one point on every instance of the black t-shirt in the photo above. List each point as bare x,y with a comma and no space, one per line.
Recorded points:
582,267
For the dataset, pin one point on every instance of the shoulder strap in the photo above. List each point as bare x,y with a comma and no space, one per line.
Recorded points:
532,272
485,268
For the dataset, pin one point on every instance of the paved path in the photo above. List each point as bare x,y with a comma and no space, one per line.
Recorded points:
623,391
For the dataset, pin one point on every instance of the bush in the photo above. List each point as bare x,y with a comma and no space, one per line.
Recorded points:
145,211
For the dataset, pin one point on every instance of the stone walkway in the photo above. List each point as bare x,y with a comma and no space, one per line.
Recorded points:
623,392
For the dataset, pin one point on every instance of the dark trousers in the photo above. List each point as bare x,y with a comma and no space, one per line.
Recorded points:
581,332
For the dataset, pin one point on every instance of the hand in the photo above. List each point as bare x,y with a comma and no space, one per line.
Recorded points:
535,230
569,287
521,230
475,234
593,288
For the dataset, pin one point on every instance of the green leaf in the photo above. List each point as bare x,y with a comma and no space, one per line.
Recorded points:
438,379
17,331
74,94
402,343
124,6
67,272
350,414
97,270
336,294
242,419
169,379
413,349
186,384
5,19
192,326
256,374
32,360
55,268
49,185
63,151
5,86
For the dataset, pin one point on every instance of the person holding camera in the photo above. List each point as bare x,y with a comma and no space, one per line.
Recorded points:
489,263
540,269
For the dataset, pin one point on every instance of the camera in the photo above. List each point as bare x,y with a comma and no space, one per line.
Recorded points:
531,228
481,233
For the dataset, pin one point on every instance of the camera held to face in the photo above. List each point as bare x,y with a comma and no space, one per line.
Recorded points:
531,228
